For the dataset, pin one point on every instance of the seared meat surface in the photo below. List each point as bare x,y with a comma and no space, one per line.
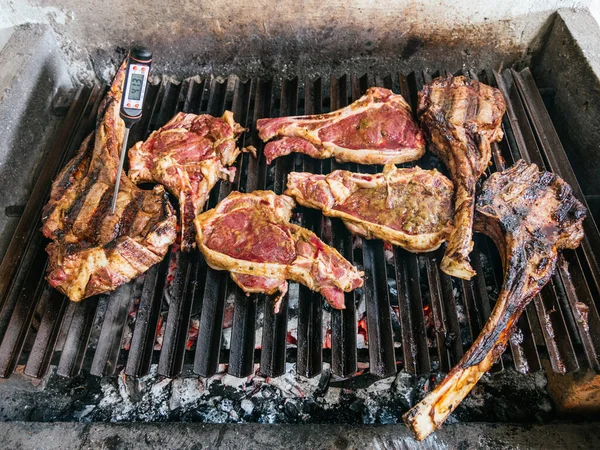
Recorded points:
250,236
378,128
411,208
462,118
187,156
93,251
530,215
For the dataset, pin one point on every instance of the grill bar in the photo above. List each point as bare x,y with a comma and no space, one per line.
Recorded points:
45,339
243,328
109,342
438,297
273,355
14,338
146,320
147,316
382,359
178,292
80,328
309,360
215,289
344,360
245,308
53,311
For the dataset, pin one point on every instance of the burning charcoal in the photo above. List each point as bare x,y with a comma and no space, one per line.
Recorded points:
291,410
404,388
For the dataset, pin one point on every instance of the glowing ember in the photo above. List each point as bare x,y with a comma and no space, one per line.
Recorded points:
362,328
192,334
160,330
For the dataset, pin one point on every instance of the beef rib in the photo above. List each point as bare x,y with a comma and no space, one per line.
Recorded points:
378,128
93,251
530,215
411,208
250,236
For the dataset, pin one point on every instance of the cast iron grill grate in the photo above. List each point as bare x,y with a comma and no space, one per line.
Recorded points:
410,315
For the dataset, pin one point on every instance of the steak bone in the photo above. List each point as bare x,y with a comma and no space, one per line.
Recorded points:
529,215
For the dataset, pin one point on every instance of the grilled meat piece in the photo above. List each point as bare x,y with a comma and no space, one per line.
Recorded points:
378,128
530,215
250,236
93,251
462,118
411,208
187,156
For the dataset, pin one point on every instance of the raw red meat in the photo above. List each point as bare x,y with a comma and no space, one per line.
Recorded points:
187,156
411,208
250,236
378,128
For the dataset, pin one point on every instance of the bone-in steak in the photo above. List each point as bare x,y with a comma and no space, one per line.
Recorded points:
411,208
530,215
187,156
93,251
378,128
462,117
250,236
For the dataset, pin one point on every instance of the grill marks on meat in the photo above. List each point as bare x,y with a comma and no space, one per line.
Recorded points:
530,215
250,236
462,117
188,155
378,128
93,251
411,208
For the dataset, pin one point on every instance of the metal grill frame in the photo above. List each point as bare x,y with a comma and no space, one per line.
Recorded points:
550,324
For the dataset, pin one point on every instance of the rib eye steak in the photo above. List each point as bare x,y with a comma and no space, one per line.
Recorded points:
530,215
187,156
250,236
411,208
378,128
93,251
462,117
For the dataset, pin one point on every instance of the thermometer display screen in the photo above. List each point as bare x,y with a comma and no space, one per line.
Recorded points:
136,84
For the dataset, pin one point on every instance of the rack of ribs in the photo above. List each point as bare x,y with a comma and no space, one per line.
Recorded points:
530,215
188,155
378,128
411,208
250,236
93,251
462,118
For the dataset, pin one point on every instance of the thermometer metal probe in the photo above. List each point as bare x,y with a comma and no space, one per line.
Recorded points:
139,60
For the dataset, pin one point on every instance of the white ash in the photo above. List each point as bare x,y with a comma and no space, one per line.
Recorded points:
389,255
291,398
226,338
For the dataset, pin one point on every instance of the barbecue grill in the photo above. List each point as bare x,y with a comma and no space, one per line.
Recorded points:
183,343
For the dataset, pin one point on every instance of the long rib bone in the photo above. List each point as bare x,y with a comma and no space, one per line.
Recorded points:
530,215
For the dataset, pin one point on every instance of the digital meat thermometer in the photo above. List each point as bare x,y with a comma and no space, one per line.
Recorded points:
139,60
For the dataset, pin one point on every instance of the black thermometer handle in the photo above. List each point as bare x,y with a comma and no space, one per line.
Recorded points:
139,60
